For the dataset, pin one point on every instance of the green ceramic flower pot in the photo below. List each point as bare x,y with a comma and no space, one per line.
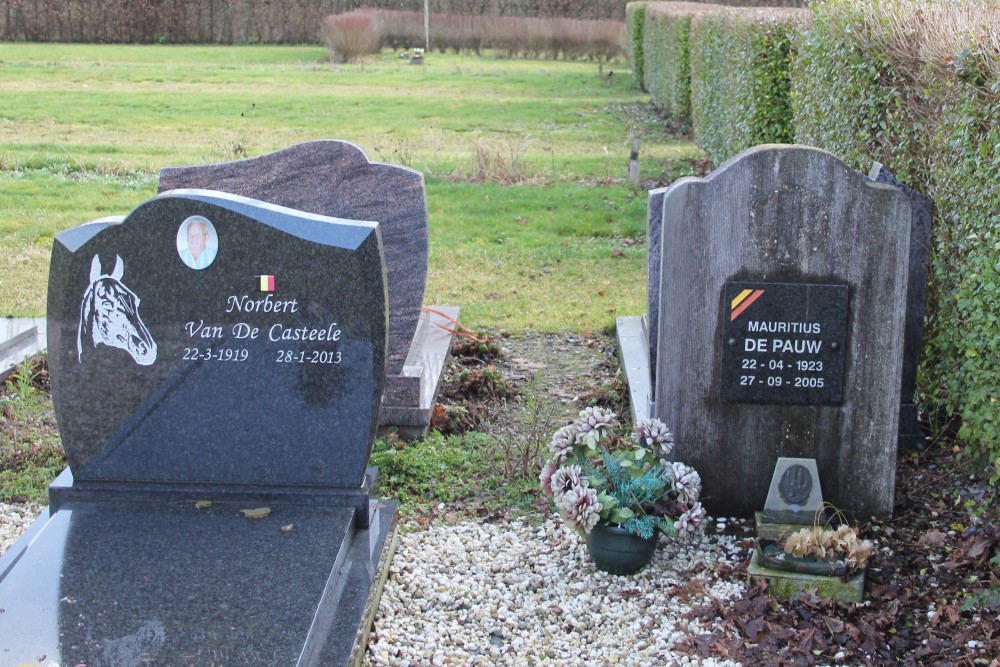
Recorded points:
618,551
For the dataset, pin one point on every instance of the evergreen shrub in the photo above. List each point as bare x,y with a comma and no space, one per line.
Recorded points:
915,85
740,78
666,55
635,22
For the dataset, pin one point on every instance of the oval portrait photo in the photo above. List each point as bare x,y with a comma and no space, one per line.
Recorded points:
197,242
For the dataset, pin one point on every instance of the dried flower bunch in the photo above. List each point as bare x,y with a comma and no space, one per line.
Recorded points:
596,475
831,545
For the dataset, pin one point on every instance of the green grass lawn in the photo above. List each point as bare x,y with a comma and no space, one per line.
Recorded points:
84,130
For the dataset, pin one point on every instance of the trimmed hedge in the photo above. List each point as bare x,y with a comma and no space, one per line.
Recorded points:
635,26
916,86
740,81
666,62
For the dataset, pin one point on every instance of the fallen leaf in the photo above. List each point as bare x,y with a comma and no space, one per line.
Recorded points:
203,504
257,513
979,547
932,537
835,625
752,628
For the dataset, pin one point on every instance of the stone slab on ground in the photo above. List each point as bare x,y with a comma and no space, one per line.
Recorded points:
787,584
176,584
633,354
409,399
20,338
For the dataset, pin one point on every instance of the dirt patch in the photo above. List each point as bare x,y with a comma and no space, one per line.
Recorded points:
556,375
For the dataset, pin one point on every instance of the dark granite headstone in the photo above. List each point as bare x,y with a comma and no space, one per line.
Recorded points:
335,178
217,368
654,240
910,435
783,215
165,373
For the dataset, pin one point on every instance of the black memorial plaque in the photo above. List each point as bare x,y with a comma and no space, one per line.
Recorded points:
783,343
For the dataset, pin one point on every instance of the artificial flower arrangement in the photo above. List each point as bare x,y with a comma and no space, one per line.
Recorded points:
596,475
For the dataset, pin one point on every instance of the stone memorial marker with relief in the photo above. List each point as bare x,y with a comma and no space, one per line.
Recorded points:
795,494
781,299
217,369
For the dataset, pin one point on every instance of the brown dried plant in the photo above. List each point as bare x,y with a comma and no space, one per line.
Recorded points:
830,544
921,37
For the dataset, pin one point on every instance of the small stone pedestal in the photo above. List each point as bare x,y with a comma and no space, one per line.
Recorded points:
787,584
795,501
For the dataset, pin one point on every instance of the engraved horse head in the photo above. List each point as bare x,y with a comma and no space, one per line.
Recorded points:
109,314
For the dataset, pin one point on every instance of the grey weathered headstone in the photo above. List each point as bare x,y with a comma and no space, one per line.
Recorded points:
217,366
799,220
795,495
910,435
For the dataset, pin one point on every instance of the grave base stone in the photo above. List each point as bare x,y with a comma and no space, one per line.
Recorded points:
633,345
410,396
165,583
20,338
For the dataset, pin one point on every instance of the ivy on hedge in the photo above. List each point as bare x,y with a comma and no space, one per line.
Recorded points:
961,369
740,81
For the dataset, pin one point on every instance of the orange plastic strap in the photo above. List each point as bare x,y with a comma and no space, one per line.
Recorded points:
467,333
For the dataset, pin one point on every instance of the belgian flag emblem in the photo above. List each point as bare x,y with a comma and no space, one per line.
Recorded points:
266,283
743,301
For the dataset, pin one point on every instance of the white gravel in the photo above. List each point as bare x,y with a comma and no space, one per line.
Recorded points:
515,594
479,593
14,520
